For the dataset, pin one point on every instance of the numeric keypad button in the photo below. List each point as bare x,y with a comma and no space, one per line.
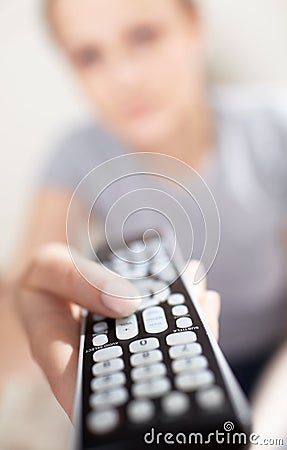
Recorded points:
127,327
152,388
143,345
144,358
211,399
103,422
185,351
184,322
106,367
140,410
193,381
175,403
108,381
189,365
114,397
147,372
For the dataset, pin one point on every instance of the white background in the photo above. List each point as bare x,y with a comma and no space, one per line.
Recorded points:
39,101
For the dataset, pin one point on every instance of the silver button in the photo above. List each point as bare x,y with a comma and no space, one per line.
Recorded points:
114,397
190,364
211,399
97,317
108,381
144,358
154,319
179,310
140,411
108,353
143,345
100,327
192,381
99,340
147,372
176,299
103,421
105,367
184,322
152,388
185,351
127,327
175,403
185,337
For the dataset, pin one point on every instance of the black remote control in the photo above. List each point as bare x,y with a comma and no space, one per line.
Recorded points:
158,377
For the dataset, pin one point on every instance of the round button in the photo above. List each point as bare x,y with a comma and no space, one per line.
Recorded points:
184,322
211,399
175,403
101,339
140,410
100,327
179,310
102,422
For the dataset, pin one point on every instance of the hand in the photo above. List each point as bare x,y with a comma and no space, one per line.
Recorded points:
50,295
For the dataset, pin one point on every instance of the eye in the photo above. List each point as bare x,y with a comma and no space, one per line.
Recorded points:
87,57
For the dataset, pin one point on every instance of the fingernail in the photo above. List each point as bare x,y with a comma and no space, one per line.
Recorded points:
121,297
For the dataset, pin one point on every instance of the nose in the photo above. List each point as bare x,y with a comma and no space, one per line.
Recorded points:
125,72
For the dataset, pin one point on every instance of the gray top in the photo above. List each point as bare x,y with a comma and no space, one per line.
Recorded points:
247,176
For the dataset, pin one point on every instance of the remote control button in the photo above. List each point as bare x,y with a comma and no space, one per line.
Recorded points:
108,381
108,353
114,397
98,317
185,351
192,381
154,319
152,388
127,327
141,359
100,327
176,299
184,322
147,372
190,364
99,340
140,411
175,403
163,295
185,337
103,422
179,310
144,345
146,302
106,367
211,399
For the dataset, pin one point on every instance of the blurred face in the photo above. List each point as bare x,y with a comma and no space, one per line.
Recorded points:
139,61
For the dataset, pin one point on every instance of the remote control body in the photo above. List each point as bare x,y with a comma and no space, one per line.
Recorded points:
158,377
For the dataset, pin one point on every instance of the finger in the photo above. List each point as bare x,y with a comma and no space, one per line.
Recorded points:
210,303
195,271
53,334
82,281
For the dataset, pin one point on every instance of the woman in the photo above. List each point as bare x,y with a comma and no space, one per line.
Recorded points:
141,65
